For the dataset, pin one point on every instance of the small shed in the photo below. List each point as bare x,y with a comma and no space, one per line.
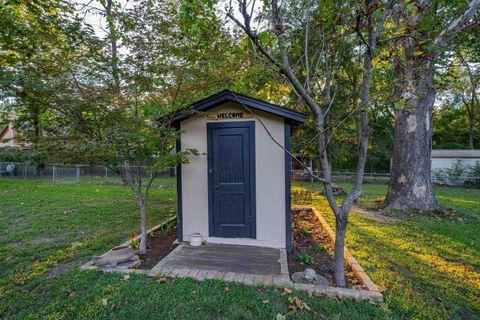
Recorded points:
444,158
238,190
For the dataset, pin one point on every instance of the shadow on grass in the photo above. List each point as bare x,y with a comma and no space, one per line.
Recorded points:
429,268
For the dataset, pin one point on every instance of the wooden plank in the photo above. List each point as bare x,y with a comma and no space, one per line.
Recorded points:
228,258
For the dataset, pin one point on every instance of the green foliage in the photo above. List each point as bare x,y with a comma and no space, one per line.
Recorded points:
475,173
57,288
135,243
168,227
304,231
304,258
457,169
317,248
69,214
475,169
451,146
450,129
444,260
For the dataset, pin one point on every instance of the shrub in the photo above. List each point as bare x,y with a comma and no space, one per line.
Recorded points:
457,169
304,231
317,248
475,173
451,145
168,227
304,258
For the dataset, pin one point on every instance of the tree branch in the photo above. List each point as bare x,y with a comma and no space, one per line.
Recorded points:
459,22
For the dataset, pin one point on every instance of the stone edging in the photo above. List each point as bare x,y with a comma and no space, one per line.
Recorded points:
372,293
89,265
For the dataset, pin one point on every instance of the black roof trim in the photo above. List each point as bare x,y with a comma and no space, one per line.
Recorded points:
230,96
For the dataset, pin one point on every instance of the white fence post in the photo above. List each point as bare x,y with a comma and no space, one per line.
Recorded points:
77,174
54,173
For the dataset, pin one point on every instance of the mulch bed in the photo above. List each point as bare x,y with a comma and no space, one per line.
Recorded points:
310,239
159,245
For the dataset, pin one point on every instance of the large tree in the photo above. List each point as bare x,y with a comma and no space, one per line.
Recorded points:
111,100
422,32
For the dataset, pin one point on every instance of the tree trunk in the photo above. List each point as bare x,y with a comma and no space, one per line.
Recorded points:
410,184
143,226
471,128
471,116
340,231
414,66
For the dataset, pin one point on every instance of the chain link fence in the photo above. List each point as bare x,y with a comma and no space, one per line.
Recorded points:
79,174
463,180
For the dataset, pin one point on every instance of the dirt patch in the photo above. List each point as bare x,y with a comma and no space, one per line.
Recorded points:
374,209
159,245
312,248
41,240
62,268
375,215
15,244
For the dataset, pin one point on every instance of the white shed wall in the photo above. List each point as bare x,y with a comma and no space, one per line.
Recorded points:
270,179
446,163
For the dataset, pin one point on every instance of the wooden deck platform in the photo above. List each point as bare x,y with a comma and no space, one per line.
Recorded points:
227,258
247,264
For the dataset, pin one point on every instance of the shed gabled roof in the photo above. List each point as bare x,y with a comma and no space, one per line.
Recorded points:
455,153
230,96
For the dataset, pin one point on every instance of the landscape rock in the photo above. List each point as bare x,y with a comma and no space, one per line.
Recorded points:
298,276
117,255
319,280
132,264
309,276
336,190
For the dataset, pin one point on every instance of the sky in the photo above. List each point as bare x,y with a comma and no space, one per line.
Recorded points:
91,7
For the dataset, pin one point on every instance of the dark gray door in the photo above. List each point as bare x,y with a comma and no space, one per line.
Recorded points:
231,179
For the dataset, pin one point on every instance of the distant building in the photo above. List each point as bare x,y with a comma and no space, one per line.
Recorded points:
301,162
7,136
444,158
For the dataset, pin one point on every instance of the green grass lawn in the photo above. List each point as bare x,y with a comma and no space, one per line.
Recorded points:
428,267
48,230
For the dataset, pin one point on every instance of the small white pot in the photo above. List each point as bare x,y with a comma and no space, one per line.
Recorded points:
196,239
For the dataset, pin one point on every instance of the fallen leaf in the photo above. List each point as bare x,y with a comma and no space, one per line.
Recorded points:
280,317
287,290
126,277
296,303
265,301
72,294
226,289
104,302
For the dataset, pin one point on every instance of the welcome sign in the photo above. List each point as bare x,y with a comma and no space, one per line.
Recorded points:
228,115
